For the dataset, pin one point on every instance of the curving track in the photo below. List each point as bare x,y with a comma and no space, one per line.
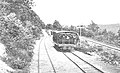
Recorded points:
39,56
49,57
82,65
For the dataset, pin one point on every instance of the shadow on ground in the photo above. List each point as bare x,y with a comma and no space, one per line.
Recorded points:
59,49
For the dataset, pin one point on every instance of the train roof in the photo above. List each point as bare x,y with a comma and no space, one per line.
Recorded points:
65,32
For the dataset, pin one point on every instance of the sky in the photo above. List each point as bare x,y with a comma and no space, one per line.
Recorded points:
78,12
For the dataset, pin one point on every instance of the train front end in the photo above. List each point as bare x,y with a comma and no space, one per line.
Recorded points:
65,40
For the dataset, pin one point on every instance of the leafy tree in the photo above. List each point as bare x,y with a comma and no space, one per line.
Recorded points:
118,38
89,34
56,25
118,32
27,3
109,37
43,25
66,28
93,26
72,28
104,32
111,34
49,26
83,32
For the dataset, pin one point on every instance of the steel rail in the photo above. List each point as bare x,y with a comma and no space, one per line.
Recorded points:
49,57
39,55
75,63
88,63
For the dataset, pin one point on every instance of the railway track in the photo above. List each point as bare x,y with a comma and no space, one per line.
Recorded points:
83,65
39,55
49,57
102,44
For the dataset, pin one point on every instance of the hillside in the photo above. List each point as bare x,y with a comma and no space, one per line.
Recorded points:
110,27
20,27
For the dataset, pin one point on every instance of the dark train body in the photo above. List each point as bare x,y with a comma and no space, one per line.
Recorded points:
65,40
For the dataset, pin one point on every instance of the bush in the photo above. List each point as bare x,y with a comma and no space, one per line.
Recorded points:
110,57
19,28
18,64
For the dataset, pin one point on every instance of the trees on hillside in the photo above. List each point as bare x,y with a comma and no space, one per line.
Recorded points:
118,32
19,28
118,38
72,28
65,28
94,27
104,32
27,3
49,26
43,26
56,25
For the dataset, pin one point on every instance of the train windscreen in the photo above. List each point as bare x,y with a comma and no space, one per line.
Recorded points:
66,38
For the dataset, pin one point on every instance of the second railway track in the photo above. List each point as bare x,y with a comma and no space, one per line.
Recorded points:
83,65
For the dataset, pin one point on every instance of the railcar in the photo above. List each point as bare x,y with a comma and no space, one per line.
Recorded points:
65,40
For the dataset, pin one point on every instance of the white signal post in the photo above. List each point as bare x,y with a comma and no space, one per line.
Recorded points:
80,27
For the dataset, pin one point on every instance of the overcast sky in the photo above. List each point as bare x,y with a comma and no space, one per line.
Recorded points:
78,12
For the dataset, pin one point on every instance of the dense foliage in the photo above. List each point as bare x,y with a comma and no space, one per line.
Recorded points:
104,54
49,26
93,31
56,25
19,28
